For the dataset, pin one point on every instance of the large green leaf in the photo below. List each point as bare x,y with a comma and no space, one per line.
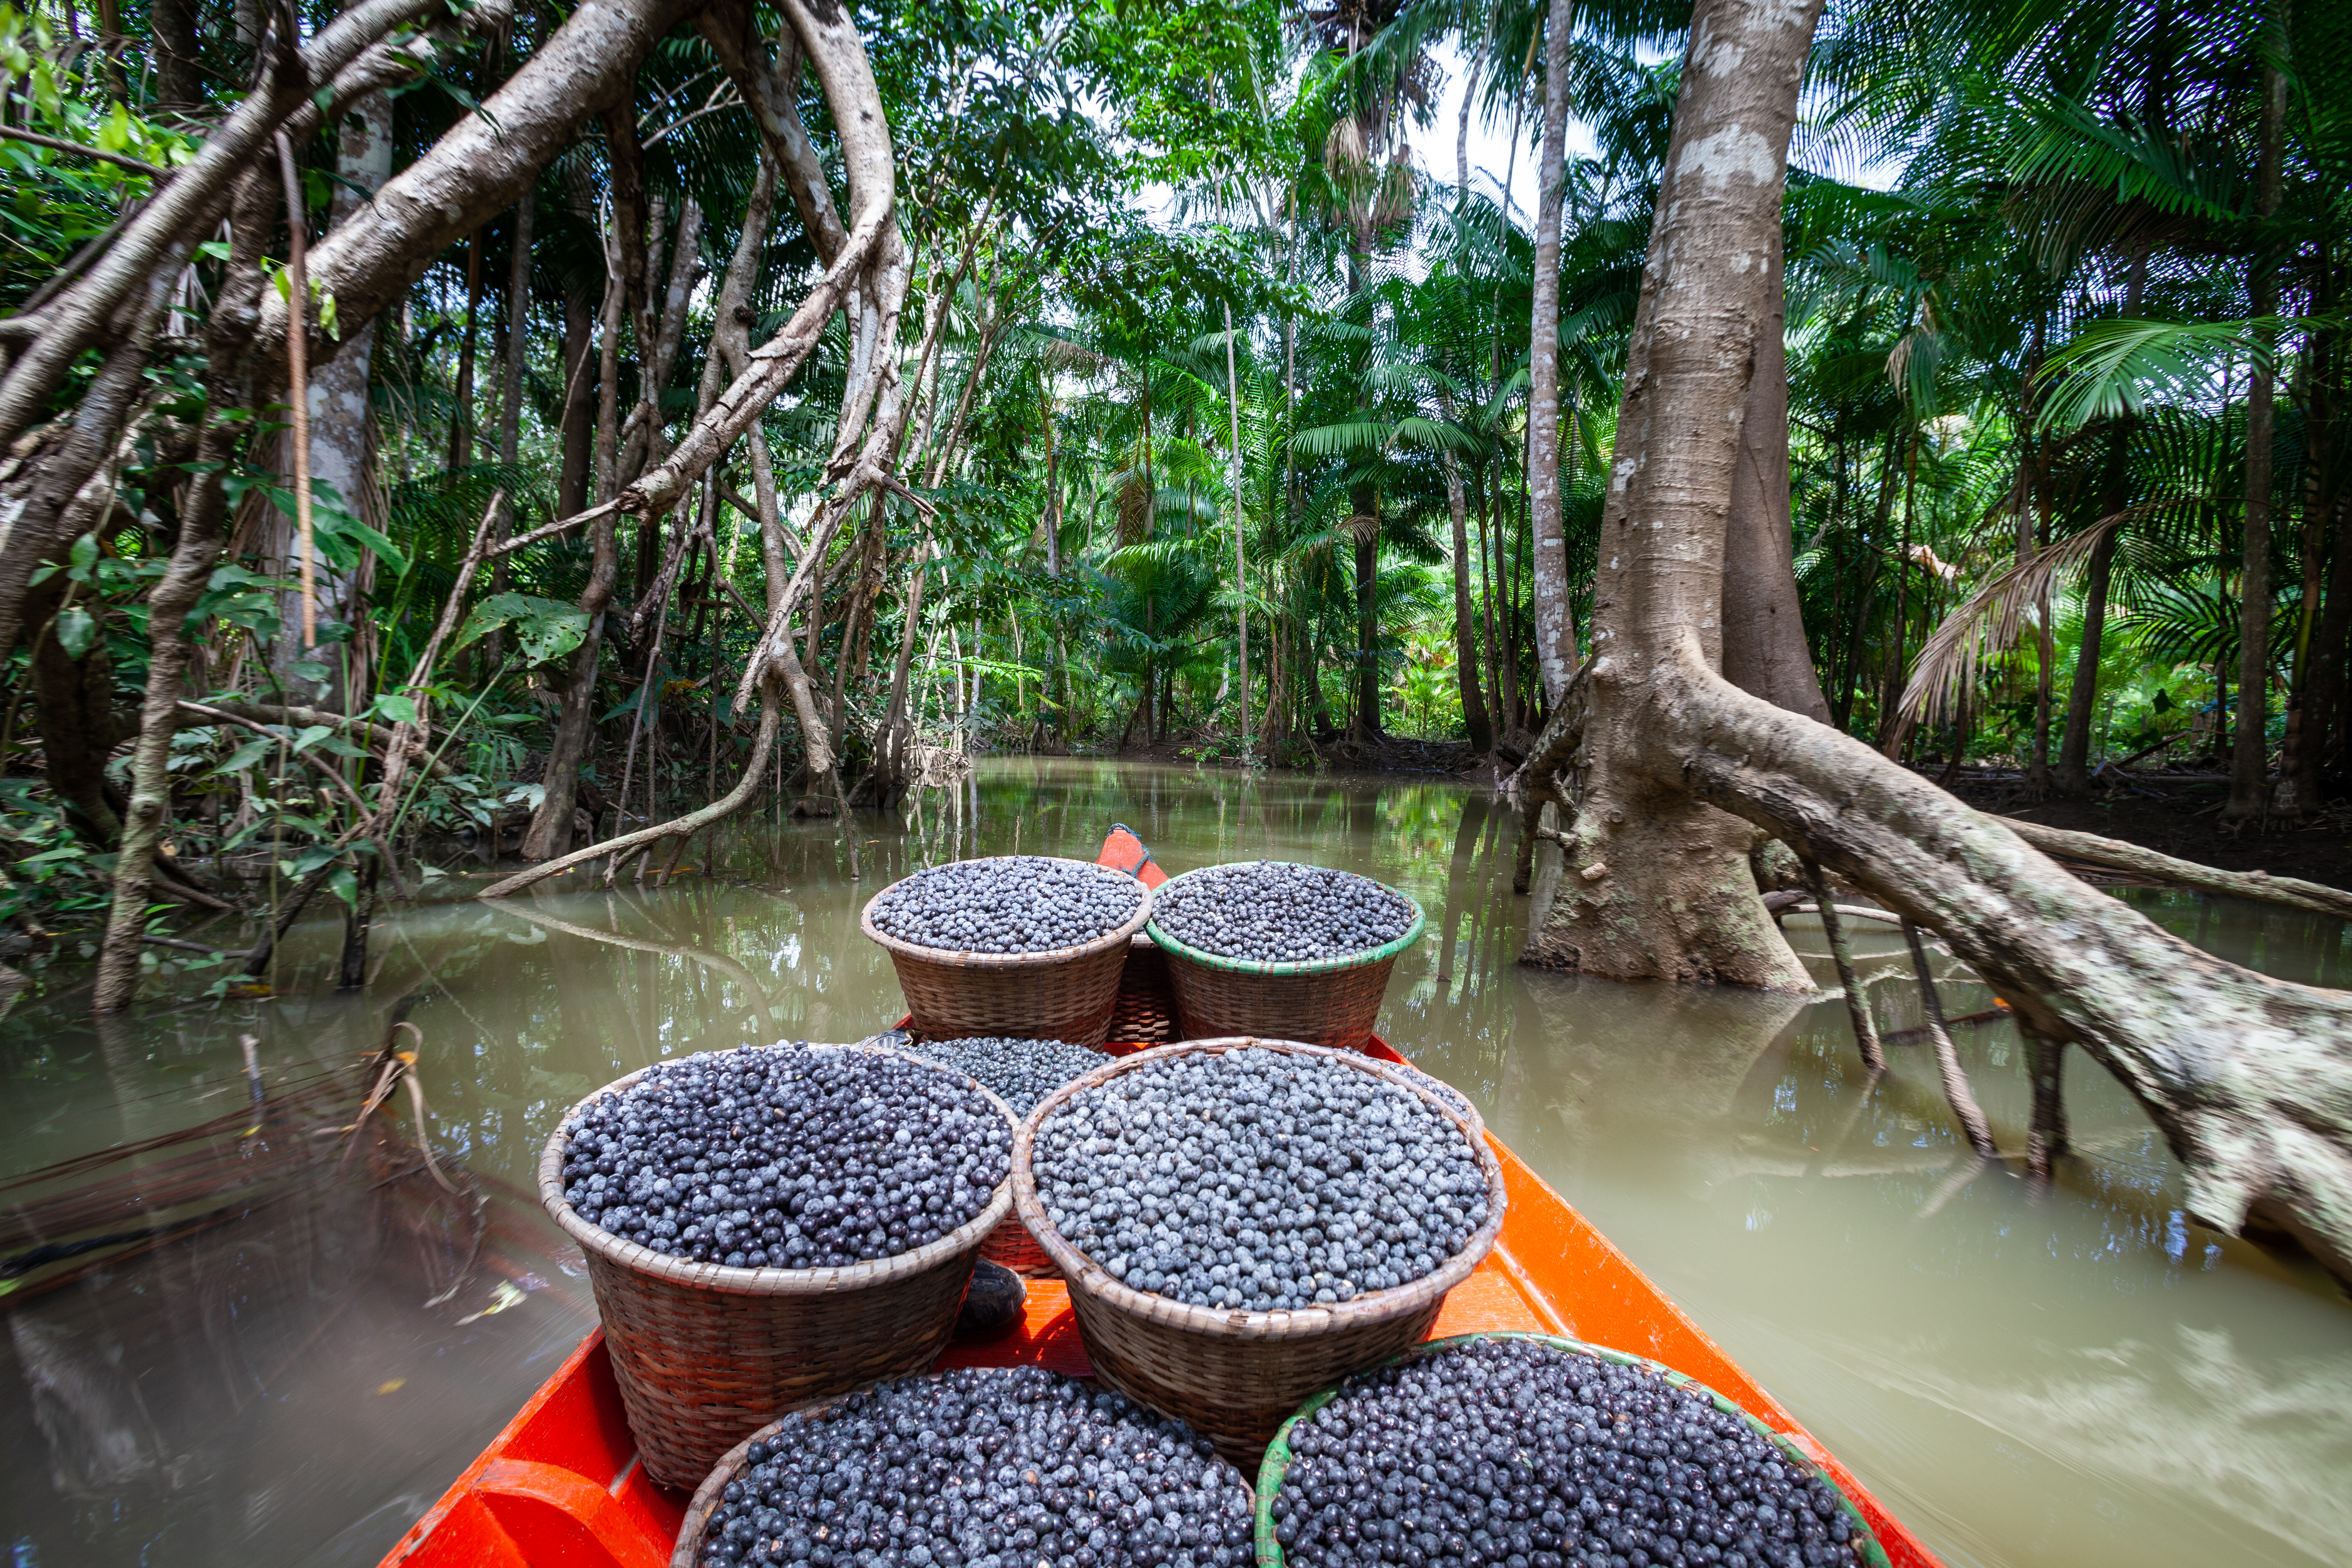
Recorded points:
547,628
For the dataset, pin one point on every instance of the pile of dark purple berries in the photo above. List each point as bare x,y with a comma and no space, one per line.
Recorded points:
1012,903
786,1157
1258,1179
989,1467
1020,1073
1275,911
1511,1451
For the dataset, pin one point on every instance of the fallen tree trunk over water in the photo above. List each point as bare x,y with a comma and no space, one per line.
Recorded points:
2249,1079
1669,769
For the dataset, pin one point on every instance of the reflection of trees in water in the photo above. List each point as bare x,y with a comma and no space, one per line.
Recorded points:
209,1325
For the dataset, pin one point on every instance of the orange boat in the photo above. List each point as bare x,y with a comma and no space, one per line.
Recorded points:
562,1484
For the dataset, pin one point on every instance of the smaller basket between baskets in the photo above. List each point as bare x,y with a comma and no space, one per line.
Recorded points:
1275,1466
1063,993
1317,1001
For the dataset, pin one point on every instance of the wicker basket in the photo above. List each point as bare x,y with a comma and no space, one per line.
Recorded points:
1010,1245
1063,993
1234,1376
704,1353
1146,1012
1278,1456
713,1488
1322,1001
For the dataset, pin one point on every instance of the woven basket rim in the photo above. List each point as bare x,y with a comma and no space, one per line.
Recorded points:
1084,1274
966,959
1176,945
706,1498
1275,1466
602,1243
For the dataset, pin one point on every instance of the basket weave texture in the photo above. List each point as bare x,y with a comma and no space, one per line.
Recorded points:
1278,1454
1063,993
705,1353
1010,1245
1319,1001
1234,1376
1146,1011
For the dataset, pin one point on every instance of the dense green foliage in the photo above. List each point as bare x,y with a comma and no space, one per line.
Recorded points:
2023,245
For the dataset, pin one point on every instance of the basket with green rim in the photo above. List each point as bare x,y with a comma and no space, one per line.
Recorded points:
1275,1466
1320,1001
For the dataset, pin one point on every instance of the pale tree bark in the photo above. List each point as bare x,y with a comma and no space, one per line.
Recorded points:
2249,749
1556,652
872,265
352,58
1764,647
191,202
486,161
341,421
2250,1079
1656,884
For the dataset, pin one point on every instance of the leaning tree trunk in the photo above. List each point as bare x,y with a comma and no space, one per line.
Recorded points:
42,500
2249,1079
194,554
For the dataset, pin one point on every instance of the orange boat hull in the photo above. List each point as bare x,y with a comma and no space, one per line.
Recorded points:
562,1486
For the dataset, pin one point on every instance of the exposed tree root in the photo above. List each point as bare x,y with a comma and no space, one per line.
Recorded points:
1965,1110
2249,1079
679,828
1857,1000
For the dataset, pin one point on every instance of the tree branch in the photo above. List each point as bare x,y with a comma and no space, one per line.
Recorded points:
120,160
2114,853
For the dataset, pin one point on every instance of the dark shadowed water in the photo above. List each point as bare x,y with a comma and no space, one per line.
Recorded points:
2065,1376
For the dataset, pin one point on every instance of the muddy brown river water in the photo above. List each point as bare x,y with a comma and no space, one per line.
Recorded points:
2076,1375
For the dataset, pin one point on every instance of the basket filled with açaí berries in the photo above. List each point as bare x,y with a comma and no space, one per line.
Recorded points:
979,1467
773,1225
1516,1447
1281,949
1014,946
1242,1222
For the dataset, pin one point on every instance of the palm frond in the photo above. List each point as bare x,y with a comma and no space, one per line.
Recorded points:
1991,621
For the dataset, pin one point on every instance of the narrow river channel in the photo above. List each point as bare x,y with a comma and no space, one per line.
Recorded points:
2077,1376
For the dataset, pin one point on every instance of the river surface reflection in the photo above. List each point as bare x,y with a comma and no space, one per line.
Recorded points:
2076,1375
